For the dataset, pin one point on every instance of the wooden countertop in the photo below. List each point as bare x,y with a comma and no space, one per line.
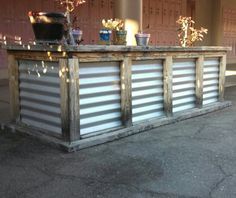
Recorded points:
114,48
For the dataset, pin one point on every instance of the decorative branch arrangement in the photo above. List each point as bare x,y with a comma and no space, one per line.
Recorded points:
114,27
70,6
188,35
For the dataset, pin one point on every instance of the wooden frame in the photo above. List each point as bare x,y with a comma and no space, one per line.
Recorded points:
69,79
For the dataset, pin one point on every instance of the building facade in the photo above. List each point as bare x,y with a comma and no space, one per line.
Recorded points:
158,17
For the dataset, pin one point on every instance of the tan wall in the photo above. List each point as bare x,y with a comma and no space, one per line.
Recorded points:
228,30
131,12
228,3
210,14
203,18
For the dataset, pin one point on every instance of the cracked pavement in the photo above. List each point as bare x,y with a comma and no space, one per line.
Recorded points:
195,158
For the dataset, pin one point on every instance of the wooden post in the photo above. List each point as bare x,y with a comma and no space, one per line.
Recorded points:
167,73
13,71
222,78
199,82
126,91
70,111
64,91
74,110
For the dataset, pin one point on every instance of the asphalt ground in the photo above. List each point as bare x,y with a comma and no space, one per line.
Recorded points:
195,158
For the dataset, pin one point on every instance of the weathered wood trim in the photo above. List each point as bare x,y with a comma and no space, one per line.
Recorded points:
99,59
215,55
46,56
126,91
108,136
144,126
74,110
64,97
90,56
167,85
114,48
195,55
14,88
149,57
199,82
222,78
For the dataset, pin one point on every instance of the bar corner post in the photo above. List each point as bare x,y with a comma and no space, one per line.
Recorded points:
71,106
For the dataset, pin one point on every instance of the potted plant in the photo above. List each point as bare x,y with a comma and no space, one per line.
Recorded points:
116,27
72,33
142,39
52,26
105,32
47,26
76,32
119,36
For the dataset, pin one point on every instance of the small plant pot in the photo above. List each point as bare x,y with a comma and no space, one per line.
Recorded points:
142,39
105,37
47,26
119,37
77,35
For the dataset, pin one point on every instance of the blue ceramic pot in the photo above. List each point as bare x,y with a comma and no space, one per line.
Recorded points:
105,35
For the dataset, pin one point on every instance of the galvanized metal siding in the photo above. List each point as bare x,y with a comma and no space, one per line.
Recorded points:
100,96
147,89
40,95
211,80
184,75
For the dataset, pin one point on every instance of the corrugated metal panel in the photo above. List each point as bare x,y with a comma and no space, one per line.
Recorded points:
184,75
211,80
40,95
100,98
147,89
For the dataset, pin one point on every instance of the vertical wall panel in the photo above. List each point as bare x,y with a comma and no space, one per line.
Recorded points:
100,106
40,95
147,89
184,73
159,19
211,80
229,32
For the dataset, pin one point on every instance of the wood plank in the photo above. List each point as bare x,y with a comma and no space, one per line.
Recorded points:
167,73
64,97
199,81
14,88
74,110
126,91
114,48
222,78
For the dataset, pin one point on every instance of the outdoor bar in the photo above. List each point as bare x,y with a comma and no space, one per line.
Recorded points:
80,96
